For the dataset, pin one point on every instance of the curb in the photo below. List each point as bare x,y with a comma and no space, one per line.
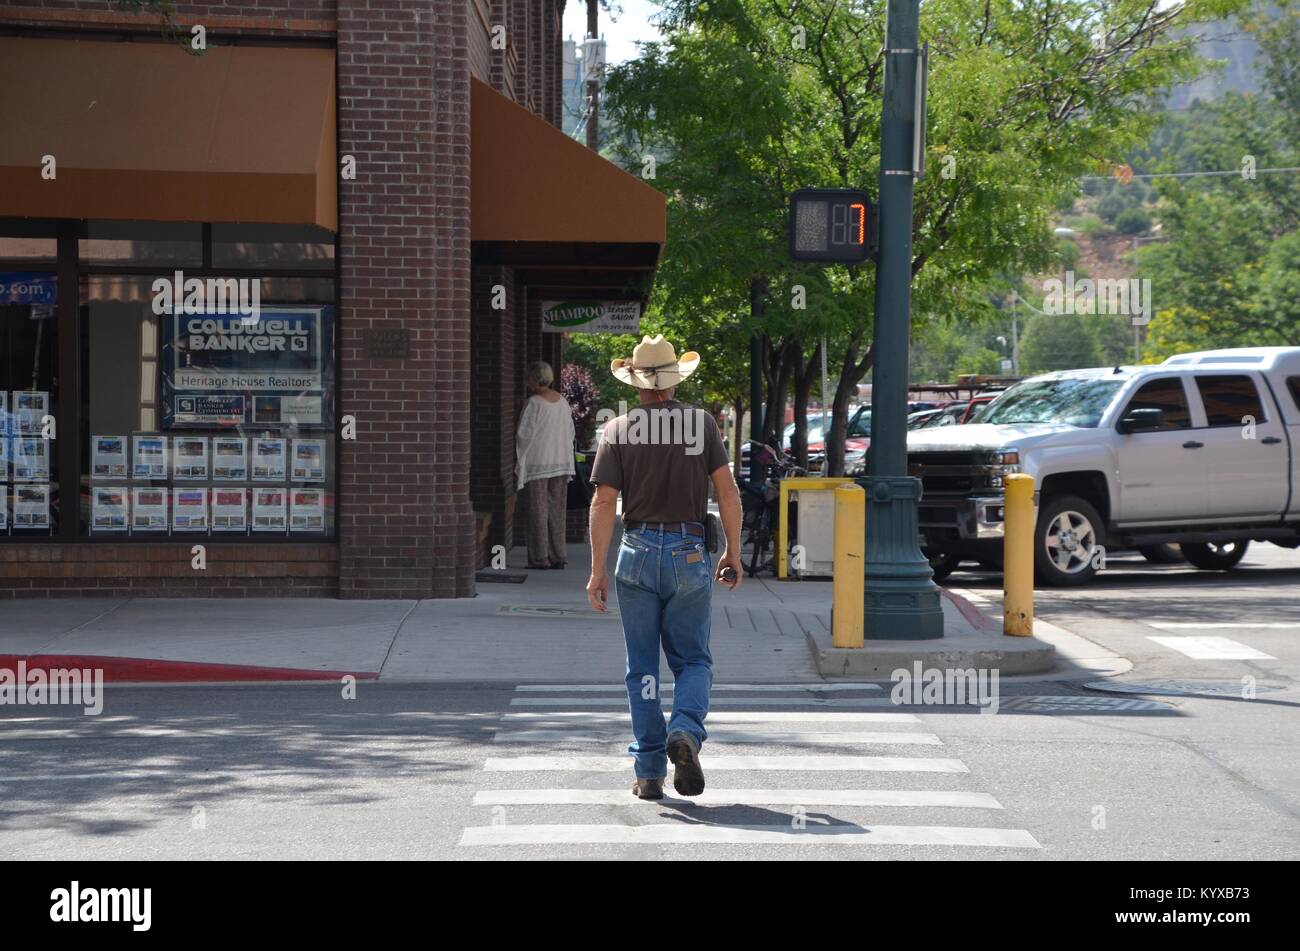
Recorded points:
987,648
153,670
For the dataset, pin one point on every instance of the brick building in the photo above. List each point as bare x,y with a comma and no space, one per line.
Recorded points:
388,177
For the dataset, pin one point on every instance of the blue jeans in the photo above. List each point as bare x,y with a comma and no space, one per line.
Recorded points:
664,581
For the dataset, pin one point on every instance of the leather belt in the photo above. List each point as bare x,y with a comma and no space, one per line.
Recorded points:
684,528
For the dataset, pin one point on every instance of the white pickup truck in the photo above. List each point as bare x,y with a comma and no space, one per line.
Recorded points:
1202,450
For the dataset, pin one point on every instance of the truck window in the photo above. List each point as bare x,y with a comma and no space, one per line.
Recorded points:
1166,394
1230,399
1293,384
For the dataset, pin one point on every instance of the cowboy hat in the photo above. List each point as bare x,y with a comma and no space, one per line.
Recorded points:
654,365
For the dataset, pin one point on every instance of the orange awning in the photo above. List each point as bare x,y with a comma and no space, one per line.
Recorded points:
530,182
148,131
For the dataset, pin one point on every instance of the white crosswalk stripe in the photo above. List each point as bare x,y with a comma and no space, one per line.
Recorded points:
550,793
1212,648
732,737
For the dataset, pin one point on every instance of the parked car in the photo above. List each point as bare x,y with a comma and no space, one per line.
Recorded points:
950,415
1200,451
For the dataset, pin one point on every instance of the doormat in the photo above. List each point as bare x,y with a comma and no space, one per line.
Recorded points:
499,577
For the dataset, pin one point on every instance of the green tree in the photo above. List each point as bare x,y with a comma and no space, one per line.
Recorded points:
1059,342
1223,276
743,101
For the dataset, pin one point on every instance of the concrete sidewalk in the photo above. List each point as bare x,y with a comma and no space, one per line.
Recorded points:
524,626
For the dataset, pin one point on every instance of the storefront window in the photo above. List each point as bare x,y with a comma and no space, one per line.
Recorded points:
209,410
169,243
29,497
292,247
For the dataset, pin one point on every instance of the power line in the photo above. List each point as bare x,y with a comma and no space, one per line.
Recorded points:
1234,171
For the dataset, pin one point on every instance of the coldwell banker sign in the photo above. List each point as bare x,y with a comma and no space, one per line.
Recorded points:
591,317
228,369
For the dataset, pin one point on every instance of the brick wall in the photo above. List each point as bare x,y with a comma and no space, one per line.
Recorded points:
494,393
406,525
164,570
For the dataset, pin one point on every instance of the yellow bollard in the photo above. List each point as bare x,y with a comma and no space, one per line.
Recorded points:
1018,557
846,586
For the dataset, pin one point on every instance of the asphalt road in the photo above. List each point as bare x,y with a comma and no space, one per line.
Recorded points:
492,772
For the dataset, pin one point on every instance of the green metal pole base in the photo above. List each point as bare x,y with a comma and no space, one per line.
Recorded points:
902,600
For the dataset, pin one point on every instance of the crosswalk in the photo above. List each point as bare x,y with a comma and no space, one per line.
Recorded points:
818,767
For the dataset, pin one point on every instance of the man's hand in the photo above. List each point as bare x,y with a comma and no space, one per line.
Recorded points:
729,560
598,591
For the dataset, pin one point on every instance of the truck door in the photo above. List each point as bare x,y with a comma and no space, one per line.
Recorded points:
1240,448
1157,481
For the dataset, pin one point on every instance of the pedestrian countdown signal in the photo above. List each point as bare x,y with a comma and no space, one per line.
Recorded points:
831,225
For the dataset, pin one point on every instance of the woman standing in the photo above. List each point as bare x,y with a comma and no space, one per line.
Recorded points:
544,464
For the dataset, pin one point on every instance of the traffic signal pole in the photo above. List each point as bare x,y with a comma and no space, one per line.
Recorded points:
901,599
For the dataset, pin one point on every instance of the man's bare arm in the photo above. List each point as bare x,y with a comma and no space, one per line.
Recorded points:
601,529
728,496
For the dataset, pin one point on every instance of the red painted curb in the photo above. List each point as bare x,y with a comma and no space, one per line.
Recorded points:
153,670
969,611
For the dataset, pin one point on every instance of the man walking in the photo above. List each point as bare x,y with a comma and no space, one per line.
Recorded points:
663,456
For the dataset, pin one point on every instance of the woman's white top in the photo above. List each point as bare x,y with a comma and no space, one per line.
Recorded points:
544,442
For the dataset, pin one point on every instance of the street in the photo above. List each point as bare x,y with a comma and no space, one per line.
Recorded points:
1187,769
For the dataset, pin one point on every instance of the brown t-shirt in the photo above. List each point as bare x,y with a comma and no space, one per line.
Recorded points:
661,458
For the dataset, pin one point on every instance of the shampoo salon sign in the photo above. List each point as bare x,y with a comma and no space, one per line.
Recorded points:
591,317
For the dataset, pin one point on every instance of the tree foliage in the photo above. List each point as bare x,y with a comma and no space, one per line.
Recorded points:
743,101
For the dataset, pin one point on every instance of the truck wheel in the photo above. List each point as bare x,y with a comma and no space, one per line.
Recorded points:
1209,556
943,564
1162,554
1067,538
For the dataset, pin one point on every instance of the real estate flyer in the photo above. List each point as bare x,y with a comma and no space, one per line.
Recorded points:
32,506
150,457
189,457
230,509
30,409
308,460
229,458
189,510
148,509
308,511
4,506
108,510
268,460
31,459
4,454
108,457
269,508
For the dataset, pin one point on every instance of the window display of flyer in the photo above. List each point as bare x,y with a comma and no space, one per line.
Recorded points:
31,459
308,512
4,508
108,457
108,508
268,460
148,509
189,510
150,457
30,407
229,458
32,506
230,509
269,510
190,457
308,460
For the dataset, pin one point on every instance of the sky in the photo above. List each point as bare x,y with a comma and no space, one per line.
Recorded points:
620,37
